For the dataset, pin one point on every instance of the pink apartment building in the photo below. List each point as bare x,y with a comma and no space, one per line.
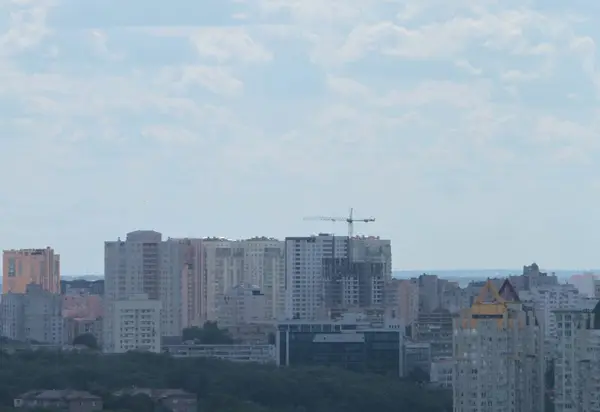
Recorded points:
25,266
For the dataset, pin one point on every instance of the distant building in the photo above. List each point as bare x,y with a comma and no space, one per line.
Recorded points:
233,353
258,261
417,356
242,304
82,286
76,326
328,273
441,373
174,400
435,328
145,264
25,266
498,354
136,323
405,301
82,306
350,343
547,299
577,364
59,400
532,277
35,315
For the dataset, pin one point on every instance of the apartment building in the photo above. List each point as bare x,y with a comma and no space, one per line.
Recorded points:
327,273
242,304
532,277
577,363
498,355
258,261
35,315
547,299
145,264
404,302
136,325
25,266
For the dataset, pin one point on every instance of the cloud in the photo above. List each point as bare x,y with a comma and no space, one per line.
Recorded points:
466,127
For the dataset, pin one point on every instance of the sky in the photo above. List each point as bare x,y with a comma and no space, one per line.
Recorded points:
468,128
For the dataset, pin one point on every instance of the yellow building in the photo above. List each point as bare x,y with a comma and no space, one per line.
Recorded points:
498,354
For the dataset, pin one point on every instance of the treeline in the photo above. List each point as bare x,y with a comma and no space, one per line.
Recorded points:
220,386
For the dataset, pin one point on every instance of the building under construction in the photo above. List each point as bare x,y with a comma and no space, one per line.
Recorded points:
328,275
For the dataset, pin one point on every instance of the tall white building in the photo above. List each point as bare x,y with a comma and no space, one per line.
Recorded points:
228,263
136,325
547,299
577,365
145,264
498,355
328,273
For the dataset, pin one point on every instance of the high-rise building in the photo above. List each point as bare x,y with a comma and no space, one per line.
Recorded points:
547,299
242,304
25,266
533,277
259,262
145,264
326,274
577,363
498,354
33,316
406,299
137,322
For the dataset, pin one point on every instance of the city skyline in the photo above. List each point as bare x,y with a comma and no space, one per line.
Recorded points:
467,129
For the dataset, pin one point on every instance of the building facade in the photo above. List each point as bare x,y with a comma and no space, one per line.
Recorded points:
35,315
577,362
350,343
242,304
327,273
498,355
136,325
258,261
234,353
25,266
145,264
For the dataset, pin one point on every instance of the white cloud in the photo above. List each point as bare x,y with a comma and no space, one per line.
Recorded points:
468,67
438,117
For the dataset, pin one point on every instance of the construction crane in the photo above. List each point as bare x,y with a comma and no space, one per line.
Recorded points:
350,220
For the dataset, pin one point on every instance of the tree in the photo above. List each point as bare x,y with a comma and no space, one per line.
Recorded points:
86,339
219,385
209,334
418,375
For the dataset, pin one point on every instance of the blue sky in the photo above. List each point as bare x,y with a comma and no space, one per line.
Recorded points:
468,128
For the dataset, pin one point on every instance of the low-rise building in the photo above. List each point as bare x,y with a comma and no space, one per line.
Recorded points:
441,373
234,353
417,356
351,343
174,400
59,400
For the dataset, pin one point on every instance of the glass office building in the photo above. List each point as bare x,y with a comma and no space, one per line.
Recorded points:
359,347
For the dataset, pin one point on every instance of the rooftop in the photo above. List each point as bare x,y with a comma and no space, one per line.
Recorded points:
66,394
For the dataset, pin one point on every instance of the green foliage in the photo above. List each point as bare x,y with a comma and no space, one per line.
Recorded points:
86,339
220,386
209,334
